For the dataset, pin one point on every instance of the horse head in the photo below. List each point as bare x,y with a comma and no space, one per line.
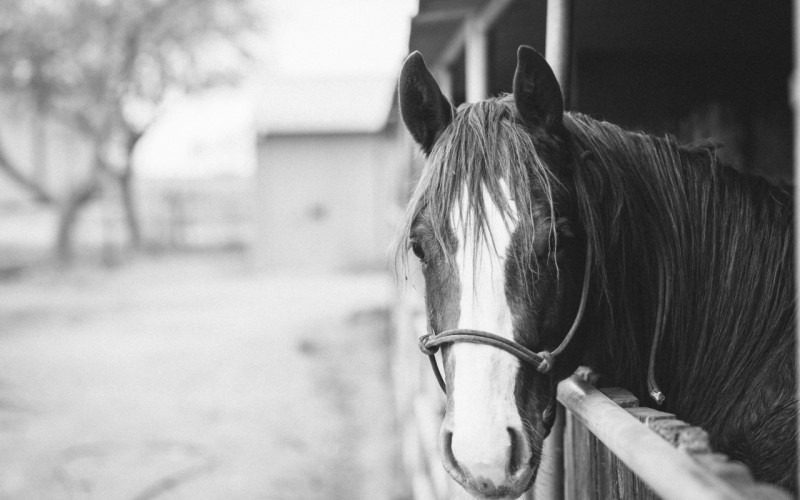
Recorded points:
493,222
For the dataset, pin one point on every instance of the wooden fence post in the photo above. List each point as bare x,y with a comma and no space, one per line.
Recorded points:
550,479
558,41
476,59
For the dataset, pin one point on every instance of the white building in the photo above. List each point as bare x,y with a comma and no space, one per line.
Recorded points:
328,163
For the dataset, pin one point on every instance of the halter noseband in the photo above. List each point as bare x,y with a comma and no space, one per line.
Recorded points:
543,361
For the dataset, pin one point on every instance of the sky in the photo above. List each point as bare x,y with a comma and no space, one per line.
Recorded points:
213,133
341,37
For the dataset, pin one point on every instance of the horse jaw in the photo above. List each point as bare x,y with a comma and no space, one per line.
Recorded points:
483,429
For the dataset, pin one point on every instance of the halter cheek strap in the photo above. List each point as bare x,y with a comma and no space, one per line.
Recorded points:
543,361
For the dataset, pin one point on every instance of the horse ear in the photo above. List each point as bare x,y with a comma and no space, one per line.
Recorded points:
536,91
425,110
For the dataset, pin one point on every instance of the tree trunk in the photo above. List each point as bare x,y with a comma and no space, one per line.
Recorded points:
39,145
68,216
129,210
127,198
15,173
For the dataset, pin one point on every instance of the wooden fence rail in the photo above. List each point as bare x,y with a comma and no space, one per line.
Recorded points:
615,449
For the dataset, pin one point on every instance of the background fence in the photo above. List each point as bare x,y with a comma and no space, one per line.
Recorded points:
419,404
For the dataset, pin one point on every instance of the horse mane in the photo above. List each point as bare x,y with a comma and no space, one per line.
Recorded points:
691,246
484,147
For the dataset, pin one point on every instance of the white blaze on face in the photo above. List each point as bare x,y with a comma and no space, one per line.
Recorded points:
483,404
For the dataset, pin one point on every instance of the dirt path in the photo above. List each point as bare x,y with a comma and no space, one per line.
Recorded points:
193,378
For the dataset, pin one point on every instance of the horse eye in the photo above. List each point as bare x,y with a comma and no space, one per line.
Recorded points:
564,229
416,247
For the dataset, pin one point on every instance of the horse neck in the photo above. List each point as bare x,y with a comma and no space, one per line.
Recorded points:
709,246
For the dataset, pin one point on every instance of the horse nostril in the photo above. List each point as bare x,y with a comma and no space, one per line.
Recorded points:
516,453
450,462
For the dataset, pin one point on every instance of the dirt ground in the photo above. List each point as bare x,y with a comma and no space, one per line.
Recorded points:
195,378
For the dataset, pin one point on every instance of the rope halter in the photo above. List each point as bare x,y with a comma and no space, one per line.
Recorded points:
543,361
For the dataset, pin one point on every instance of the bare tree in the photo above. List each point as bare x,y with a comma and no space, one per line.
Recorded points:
104,68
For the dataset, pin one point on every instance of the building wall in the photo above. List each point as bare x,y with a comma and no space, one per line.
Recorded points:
739,100
323,201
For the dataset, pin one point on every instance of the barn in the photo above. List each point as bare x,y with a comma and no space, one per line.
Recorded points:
698,70
328,156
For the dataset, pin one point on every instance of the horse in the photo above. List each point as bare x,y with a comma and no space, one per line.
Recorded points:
548,239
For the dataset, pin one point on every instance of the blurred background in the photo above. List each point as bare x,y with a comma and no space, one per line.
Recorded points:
198,200
194,230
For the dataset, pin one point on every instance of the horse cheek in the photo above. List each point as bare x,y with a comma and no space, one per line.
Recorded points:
442,296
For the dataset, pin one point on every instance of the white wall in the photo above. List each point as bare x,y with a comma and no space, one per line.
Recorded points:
324,201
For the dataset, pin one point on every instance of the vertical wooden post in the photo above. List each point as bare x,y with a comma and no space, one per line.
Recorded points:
549,484
476,59
558,41
445,79
558,50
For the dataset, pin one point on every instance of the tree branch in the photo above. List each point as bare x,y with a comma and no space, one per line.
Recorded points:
38,190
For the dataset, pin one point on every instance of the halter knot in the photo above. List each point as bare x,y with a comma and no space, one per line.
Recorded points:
546,363
423,345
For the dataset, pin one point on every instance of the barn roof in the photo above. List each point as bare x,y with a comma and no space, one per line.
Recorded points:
339,105
437,21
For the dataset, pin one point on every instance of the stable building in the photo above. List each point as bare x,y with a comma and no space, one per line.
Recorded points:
328,155
712,70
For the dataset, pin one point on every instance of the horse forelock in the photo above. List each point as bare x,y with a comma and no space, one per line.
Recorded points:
485,156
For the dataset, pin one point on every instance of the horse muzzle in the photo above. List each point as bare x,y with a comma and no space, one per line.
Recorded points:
503,473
